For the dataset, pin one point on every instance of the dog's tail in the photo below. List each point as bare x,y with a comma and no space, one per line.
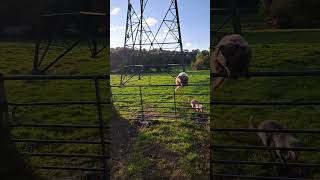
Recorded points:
251,124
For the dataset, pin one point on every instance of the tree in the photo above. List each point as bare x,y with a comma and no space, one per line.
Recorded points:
202,61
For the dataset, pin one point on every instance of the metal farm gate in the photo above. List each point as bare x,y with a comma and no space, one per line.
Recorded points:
236,149
166,109
101,128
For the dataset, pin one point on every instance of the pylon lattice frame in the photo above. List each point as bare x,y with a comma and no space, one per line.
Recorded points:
52,31
139,36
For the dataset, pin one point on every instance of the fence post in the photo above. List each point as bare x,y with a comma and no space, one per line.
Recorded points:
141,103
101,129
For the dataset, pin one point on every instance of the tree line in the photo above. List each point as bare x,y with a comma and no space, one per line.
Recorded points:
122,57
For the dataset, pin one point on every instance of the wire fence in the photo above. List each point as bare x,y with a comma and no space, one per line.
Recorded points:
163,105
100,127
286,173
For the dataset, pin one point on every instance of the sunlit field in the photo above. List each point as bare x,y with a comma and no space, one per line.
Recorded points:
174,146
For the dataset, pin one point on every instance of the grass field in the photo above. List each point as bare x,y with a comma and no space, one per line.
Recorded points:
272,51
165,150
162,150
16,58
176,150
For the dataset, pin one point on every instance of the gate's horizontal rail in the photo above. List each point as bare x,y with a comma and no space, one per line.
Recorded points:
260,163
229,176
274,73
157,102
168,117
268,103
225,11
57,103
56,77
87,126
239,147
245,130
68,168
156,85
61,155
57,141
162,112
171,121
154,107
156,94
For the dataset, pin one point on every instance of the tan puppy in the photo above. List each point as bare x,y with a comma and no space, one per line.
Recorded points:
196,106
278,140
181,80
231,56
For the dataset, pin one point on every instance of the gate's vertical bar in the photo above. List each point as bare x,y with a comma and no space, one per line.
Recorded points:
101,129
174,100
141,104
236,17
35,67
94,39
4,114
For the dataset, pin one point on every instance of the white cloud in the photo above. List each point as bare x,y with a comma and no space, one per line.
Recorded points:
188,45
151,21
115,11
114,28
165,30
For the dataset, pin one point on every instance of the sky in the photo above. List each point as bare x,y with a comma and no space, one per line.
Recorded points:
194,18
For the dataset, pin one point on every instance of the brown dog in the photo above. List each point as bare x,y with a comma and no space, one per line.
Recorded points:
181,80
277,139
231,56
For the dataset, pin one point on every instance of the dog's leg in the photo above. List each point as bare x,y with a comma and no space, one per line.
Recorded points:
218,84
178,84
224,67
222,64
177,87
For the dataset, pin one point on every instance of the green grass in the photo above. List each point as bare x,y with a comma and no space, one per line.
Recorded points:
165,150
16,58
162,150
272,51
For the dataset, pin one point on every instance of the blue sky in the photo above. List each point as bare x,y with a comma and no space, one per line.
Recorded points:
194,20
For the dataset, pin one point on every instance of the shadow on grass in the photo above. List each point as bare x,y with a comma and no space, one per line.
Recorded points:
161,151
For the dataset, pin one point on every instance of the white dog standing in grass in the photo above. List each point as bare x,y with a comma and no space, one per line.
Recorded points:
181,80
232,56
